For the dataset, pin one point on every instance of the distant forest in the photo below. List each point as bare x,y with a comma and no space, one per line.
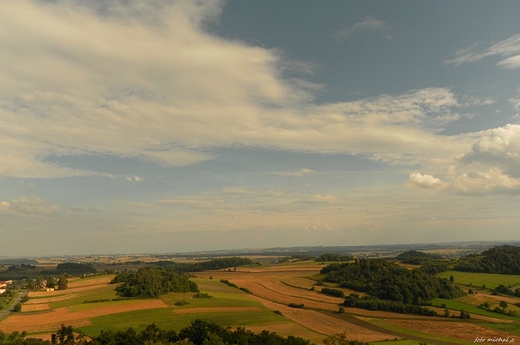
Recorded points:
215,264
501,260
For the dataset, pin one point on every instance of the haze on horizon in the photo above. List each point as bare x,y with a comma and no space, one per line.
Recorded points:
170,126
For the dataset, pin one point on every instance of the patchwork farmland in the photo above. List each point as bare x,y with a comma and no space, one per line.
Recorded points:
260,298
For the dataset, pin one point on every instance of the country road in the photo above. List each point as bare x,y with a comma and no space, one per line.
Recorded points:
8,310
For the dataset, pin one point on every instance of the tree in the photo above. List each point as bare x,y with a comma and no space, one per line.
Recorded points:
446,313
503,305
30,284
51,282
452,279
63,282
39,282
17,307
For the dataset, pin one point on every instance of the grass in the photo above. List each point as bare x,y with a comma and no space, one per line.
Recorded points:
509,328
478,279
470,308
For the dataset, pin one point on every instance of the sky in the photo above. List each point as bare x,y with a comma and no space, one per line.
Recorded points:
161,126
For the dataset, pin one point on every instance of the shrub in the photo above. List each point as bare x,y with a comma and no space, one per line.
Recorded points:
333,292
202,295
296,305
181,303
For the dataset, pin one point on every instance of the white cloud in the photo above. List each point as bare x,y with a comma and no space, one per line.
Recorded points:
369,24
134,179
499,147
493,181
491,166
29,206
295,173
508,49
425,181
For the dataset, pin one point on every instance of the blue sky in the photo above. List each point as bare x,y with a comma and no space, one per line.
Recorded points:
169,126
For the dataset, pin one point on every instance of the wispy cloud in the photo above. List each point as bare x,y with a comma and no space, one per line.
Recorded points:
152,84
369,24
508,50
29,206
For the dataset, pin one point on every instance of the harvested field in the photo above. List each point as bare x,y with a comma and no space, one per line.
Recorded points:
214,310
324,324
98,280
452,329
46,293
35,307
42,322
50,299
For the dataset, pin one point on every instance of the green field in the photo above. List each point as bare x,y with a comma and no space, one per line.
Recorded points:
165,319
511,328
478,279
470,308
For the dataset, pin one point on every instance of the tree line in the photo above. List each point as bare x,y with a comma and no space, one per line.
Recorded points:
215,264
198,333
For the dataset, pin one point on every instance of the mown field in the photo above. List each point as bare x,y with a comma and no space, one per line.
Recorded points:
91,305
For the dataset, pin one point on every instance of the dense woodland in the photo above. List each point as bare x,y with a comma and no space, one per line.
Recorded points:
199,333
215,264
152,282
388,281
501,260
372,303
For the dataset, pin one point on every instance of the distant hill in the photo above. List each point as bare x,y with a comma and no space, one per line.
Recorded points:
500,259
18,261
415,257
76,269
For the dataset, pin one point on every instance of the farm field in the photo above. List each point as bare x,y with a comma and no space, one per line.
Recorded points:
476,280
91,305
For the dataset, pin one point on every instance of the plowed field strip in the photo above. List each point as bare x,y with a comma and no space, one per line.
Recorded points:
286,290
51,299
322,323
35,307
